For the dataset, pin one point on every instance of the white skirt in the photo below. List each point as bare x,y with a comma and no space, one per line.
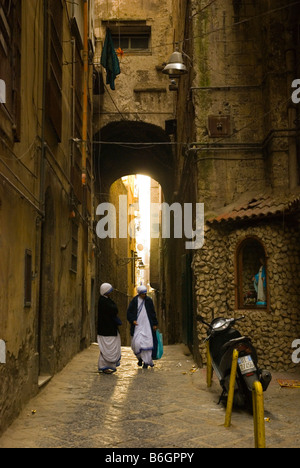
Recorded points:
142,341
110,352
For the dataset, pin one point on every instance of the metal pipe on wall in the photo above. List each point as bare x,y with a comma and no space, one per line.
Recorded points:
85,91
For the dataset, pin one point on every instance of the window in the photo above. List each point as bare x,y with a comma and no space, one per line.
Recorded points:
132,37
28,279
10,60
132,43
252,282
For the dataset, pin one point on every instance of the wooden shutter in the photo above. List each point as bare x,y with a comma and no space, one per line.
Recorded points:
16,63
5,53
10,58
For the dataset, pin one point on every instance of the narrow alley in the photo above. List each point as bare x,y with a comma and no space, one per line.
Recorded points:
156,144
167,407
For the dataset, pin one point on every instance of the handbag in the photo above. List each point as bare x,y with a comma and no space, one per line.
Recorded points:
160,345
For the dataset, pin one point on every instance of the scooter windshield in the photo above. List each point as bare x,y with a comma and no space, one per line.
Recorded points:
220,324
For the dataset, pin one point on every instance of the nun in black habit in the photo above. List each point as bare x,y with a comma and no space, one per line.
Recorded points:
109,339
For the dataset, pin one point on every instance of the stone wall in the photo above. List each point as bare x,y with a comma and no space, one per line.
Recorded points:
141,92
273,329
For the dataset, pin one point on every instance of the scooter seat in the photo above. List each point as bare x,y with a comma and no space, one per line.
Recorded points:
220,339
234,342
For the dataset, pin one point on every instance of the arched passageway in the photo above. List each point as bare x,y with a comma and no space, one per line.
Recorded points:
126,147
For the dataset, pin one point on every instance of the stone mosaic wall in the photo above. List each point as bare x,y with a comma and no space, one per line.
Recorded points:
273,329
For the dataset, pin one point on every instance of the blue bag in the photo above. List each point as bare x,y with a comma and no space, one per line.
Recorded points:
160,346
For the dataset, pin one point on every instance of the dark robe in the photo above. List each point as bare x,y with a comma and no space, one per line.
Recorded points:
108,320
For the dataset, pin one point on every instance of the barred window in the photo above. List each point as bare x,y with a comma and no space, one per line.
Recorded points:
132,43
131,36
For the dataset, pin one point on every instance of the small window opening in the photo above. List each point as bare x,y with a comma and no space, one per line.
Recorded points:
131,37
252,275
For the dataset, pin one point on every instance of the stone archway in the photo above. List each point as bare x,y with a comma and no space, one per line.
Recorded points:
130,147
133,147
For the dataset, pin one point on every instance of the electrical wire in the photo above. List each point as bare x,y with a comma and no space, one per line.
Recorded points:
22,195
18,179
141,144
233,25
130,145
19,158
254,121
247,20
147,145
202,9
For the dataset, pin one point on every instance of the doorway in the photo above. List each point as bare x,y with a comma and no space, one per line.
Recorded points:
187,300
47,292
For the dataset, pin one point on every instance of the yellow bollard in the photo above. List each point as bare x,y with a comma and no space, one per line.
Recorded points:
259,415
209,368
231,388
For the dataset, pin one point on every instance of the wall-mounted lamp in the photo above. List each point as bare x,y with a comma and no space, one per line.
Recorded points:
175,67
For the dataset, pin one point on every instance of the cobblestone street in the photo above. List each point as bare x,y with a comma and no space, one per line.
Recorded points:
165,407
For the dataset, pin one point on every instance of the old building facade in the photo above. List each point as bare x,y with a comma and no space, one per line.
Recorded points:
47,266
242,127
234,147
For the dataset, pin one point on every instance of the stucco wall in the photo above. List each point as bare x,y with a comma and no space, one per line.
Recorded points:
36,214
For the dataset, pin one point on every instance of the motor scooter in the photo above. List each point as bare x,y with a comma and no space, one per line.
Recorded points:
223,340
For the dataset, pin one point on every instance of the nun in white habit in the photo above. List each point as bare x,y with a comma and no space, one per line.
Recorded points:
109,339
142,317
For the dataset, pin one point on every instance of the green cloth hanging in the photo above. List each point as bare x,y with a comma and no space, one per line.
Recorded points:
110,61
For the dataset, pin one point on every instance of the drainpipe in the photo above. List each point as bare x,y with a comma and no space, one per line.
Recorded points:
85,91
40,220
43,143
84,265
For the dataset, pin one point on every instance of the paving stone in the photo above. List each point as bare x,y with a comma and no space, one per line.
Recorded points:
165,407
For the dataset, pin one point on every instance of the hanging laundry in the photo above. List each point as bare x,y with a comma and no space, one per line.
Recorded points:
109,60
